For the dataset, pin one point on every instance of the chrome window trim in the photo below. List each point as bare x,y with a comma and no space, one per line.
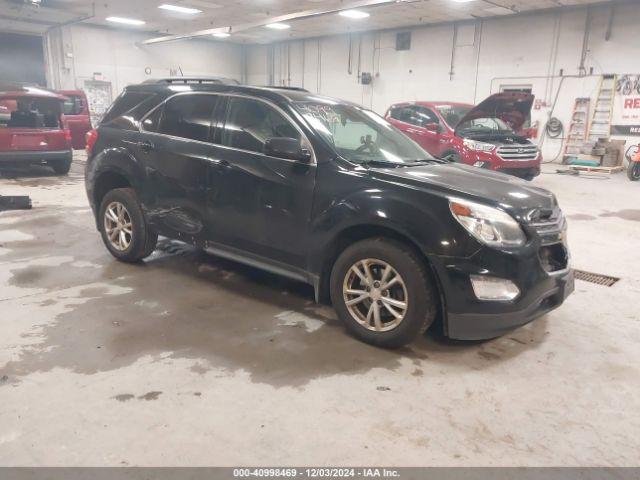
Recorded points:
303,136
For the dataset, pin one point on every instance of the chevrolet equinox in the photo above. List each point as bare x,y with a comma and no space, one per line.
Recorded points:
328,193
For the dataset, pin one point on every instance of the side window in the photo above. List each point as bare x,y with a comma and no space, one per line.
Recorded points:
250,123
152,122
420,116
73,105
425,115
402,114
188,116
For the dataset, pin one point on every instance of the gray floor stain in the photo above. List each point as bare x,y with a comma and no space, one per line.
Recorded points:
581,216
218,313
150,396
627,214
124,397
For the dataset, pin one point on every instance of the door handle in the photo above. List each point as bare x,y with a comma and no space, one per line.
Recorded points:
220,163
145,146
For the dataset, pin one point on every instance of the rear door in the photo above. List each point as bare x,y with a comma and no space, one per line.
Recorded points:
76,114
412,119
175,147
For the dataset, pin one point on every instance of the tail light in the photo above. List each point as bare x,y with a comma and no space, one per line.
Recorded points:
92,138
67,135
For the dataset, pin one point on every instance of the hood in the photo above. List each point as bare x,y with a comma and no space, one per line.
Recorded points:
511,107
518,197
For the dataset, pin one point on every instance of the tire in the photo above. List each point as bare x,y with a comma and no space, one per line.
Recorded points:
142,240
60,167
633,171
415,290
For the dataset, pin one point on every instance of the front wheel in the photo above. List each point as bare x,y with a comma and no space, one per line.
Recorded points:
382,292
633,171
123,227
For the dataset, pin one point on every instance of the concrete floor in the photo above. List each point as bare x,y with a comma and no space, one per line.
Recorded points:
191,360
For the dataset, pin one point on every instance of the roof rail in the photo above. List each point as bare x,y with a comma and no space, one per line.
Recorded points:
296,89
178,80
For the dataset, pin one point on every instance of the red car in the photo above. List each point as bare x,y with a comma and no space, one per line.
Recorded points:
76,114
32,128
483,136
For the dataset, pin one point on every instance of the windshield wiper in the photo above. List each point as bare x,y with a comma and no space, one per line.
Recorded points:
381,163
425,161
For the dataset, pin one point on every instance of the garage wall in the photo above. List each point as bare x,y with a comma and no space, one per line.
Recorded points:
523,50
76,52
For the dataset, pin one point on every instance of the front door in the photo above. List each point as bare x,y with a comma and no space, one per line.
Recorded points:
261,204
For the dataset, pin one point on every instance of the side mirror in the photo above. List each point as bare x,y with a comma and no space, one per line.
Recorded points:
285,147
432,127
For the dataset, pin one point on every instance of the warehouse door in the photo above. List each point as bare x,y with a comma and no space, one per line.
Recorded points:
22,59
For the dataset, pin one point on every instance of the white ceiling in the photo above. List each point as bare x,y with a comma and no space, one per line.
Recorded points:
19,16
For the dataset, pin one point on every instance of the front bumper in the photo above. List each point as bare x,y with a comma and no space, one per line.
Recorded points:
19,157
468,318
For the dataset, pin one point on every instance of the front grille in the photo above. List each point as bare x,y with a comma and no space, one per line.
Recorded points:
549,224
518,153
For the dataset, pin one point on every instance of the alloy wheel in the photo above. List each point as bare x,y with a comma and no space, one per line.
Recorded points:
118,226
375,295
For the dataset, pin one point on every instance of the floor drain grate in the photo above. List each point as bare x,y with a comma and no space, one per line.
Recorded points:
596,278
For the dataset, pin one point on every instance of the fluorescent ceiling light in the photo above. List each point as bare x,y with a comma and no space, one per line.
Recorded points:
462,1
278,26
355,14
221,34
179,9
126,21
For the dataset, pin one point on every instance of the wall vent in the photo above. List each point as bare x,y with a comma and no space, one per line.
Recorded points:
403,41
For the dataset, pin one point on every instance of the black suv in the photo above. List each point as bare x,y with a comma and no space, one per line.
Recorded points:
328,193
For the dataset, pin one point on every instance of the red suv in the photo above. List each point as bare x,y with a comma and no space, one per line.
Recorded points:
483,136
33,129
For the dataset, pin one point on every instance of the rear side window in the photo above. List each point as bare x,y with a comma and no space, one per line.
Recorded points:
73,105
188,116
125,103
250,122
152,122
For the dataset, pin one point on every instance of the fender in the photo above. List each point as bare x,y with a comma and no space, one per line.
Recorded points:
403,213
116,160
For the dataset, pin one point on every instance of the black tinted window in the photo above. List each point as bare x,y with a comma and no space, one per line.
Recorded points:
422,116
188,116
126,102
250,123
73,106
151,123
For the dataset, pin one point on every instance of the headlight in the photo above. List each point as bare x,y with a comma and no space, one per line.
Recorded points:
478,146
489,225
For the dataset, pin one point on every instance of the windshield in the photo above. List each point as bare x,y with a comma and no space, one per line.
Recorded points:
452,114
360,135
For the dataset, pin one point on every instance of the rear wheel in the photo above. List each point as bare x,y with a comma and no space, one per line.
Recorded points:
382,292
61,167
123,227
633,171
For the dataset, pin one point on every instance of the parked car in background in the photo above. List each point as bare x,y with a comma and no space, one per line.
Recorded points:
483,136
76,114
328,193
33,129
